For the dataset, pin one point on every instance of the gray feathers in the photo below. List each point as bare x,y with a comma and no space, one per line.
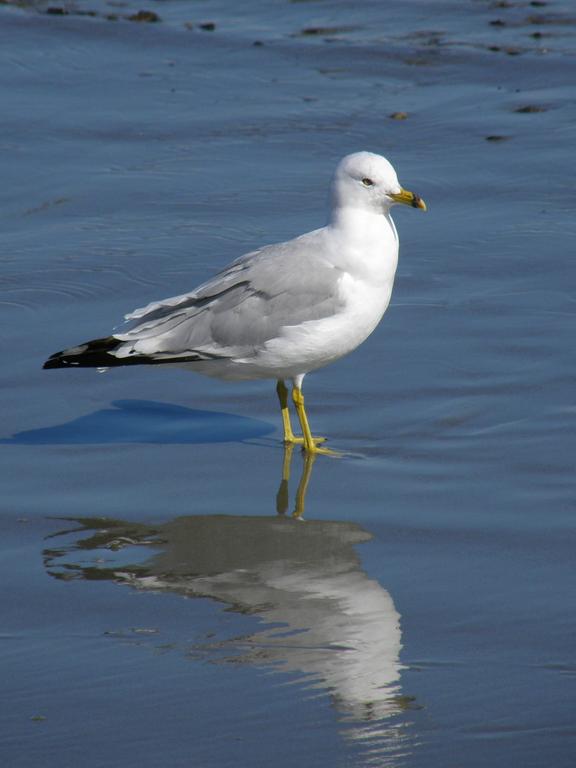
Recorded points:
243,307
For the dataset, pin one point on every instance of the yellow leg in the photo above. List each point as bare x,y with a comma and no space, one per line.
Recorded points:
289,436
282,393
310,443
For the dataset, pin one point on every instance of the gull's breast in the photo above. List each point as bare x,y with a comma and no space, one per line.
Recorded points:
315,343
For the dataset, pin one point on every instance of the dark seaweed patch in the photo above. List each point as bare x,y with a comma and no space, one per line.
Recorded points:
530,109
323,31
148,17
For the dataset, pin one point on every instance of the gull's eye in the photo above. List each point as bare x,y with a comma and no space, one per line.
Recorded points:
368,182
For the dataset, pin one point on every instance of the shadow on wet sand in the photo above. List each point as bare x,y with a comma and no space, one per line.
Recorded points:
144,421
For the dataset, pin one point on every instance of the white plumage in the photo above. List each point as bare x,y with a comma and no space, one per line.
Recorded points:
284,310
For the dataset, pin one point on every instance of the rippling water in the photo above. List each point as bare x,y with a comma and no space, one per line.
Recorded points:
180,591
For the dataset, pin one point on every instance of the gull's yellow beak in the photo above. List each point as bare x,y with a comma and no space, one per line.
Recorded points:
409,198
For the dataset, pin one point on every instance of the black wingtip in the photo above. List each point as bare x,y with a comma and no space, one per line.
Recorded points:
60,360
53,362
99,353
91,354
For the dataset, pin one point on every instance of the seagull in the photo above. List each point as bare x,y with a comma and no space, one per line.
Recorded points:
282,311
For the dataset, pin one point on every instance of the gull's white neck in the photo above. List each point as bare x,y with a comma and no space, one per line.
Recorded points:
367,242
364,225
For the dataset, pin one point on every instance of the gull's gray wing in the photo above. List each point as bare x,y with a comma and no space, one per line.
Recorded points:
242,307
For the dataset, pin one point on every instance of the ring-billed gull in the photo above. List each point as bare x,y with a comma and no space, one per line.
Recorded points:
282,311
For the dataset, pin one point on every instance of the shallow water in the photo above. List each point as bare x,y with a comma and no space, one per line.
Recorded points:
179,591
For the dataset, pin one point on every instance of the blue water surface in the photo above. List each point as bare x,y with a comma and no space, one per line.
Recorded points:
177,589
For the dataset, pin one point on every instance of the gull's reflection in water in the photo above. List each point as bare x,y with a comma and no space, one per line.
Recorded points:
322,617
